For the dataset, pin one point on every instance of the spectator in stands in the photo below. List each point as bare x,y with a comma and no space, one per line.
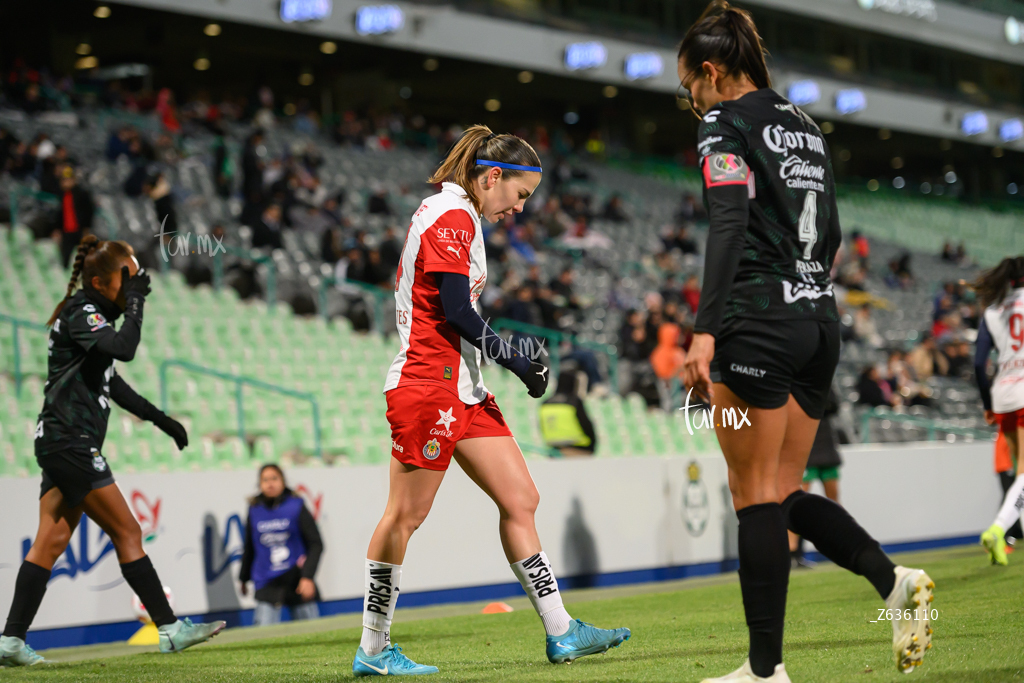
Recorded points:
946,326
961,361
159,190
50,175
861,248
23,160
564,423
253,166
377,204
555,220
523,308
282,551
691,293
926,359
76,214
613,210
691,210
375,272
118,142
584,238
680,239
266,232
167,110
33,102
667,359
352,266
948,252
332,245
864,328
899,276
390,249
951,255
873,391
632,344
562,290
223,167
945,302
8,143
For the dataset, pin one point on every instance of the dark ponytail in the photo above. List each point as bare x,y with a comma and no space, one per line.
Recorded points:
993,284
726,35
94,258
478,142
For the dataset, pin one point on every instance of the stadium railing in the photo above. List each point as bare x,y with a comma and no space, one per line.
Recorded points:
378,295
240,382
16,324
931,427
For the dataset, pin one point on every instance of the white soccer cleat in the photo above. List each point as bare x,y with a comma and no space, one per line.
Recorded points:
911,596
745,674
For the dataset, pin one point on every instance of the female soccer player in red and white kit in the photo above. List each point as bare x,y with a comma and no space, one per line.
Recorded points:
439,408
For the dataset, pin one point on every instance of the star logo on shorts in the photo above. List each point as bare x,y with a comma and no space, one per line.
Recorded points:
445,419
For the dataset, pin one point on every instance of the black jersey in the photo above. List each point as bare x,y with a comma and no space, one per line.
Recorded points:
83,346
773,260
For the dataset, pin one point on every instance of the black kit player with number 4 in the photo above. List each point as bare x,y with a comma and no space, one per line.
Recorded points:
766,338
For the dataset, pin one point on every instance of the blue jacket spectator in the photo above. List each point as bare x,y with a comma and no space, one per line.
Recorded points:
282,551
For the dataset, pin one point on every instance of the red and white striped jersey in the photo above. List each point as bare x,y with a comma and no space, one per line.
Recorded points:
444,237
1005,322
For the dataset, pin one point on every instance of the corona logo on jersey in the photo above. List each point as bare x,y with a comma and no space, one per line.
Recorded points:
431,449
695,501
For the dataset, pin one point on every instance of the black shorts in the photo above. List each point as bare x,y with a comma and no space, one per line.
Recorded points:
75,472
764,361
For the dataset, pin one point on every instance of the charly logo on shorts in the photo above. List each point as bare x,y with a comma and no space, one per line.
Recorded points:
431,449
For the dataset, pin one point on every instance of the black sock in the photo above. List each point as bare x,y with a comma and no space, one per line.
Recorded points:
838,537
141,576
764,581
29,589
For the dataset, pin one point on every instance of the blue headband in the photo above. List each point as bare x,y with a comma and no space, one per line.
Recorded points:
511,167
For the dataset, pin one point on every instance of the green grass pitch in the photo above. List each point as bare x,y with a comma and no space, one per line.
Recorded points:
681,632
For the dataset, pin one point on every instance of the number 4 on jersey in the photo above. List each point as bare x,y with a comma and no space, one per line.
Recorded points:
807,230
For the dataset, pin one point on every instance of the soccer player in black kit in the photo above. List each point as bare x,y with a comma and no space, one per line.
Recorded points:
766,339
80,385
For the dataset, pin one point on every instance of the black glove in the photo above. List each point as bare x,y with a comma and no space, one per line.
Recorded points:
536,379
138,283
172,428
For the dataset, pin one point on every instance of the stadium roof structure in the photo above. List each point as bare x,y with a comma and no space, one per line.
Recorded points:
449,32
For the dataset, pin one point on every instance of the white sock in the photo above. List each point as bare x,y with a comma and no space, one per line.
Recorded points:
381,583
540,584
1012,504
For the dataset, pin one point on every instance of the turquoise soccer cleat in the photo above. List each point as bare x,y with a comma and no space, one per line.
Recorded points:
184,634
583,639
14,652
389,662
